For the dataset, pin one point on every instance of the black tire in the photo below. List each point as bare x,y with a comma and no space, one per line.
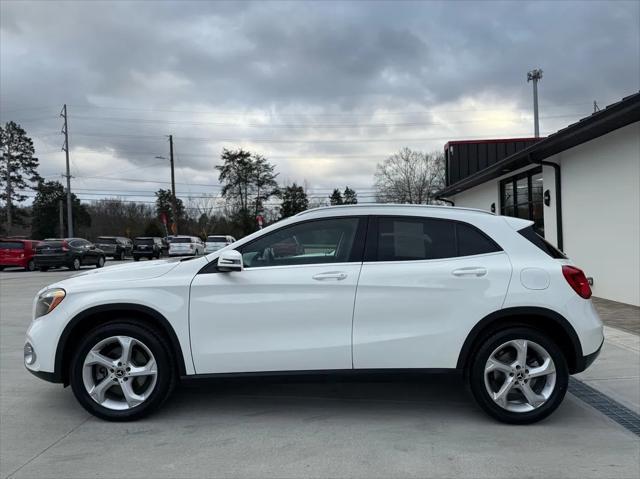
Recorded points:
136,258
476,376
101,261
121,256
166,371
1,268
44,268
75,264
31,266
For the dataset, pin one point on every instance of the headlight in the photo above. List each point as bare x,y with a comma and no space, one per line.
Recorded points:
48,301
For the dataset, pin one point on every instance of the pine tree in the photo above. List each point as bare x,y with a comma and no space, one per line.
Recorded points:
294,200
350,197
336,198
17,168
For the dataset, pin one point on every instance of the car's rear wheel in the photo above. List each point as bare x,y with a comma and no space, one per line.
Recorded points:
122,371
100,262
43,268
75,264
31,265
519,375
121,256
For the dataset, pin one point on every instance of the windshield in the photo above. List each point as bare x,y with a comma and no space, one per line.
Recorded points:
216,239
106,240
11,245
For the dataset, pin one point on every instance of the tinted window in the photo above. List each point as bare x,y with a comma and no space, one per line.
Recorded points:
314,242
106,240
472,241
541,243
11,245
217,239
146,241
406,239
181,240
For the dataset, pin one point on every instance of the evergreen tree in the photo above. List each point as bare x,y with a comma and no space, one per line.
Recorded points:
17,169
350,197
45,211
336,198
294,200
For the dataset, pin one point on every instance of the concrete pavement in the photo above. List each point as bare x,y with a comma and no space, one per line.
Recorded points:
427,427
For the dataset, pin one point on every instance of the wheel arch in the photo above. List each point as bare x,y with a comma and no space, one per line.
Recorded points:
92,317
542,319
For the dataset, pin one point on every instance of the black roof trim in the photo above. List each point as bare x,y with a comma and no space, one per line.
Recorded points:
614,116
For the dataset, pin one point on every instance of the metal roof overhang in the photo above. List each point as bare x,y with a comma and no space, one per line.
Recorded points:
614,116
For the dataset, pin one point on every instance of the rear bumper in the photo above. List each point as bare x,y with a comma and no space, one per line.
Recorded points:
586,361
15,263
61,260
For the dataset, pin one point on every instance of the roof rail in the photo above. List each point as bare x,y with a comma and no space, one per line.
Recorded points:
392,205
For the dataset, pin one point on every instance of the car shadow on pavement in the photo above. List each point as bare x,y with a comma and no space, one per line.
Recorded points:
436,393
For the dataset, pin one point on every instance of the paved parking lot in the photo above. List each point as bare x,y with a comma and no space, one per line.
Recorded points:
426,427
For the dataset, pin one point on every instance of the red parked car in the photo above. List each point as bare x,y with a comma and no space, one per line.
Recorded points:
17,253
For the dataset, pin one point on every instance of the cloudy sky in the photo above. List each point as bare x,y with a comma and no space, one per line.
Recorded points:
323,89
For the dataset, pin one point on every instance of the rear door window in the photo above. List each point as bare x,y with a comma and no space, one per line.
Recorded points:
410,239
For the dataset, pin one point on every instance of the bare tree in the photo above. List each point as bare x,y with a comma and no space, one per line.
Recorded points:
409,176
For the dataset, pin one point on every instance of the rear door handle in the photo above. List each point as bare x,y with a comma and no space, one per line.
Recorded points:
334,275
472,271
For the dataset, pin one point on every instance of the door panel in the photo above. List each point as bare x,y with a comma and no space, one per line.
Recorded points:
417,314
273,318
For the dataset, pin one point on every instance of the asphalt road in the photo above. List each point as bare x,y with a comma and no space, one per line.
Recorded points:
427,427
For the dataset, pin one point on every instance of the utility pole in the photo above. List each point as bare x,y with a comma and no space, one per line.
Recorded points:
173,187
61,212
535,76
65,130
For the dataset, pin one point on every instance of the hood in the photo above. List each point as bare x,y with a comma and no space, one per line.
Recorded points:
127,272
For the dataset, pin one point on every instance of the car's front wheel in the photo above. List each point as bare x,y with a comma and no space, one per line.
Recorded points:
122,371
100,262
31,265
519,375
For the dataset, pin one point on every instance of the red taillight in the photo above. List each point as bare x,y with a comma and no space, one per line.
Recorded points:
577,280
65,246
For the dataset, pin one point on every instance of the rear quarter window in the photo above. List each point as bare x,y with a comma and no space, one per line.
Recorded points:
11,245
530,234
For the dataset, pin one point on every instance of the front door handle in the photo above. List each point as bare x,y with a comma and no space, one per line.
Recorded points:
472,271
335,275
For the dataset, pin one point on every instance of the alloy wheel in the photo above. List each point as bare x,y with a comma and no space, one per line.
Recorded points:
76,264
119,372
520,375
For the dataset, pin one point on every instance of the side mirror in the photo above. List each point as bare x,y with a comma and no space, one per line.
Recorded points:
230,261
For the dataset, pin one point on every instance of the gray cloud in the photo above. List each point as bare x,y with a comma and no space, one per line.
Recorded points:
391,74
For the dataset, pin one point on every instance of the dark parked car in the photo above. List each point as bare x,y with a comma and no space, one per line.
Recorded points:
17,253
147,247
69,252
116,247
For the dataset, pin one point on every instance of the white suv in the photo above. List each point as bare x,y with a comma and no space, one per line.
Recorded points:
216,242
186,246
342,290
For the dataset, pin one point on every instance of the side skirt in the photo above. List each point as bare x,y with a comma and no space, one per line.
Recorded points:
385,374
